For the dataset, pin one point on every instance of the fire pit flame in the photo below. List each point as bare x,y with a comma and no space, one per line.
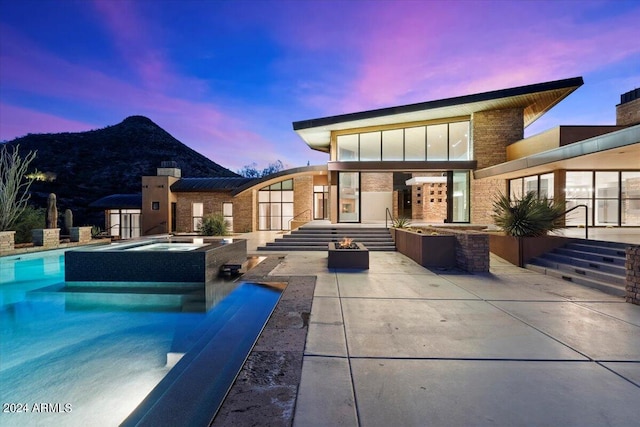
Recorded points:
345,242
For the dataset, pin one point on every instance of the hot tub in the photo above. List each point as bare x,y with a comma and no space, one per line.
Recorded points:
170,260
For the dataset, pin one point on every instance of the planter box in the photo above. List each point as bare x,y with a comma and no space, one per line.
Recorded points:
80,234
520,250
46,237
7,241
426,249
348,258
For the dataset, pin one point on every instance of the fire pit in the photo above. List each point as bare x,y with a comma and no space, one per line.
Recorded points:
348,254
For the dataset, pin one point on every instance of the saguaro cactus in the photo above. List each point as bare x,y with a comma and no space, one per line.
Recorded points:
52,212
68,221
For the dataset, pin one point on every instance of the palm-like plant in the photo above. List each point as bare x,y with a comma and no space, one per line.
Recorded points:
528,216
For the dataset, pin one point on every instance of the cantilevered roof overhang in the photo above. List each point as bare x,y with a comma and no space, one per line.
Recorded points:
618,150
535,99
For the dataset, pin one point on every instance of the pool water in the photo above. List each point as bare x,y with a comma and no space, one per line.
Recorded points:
92,360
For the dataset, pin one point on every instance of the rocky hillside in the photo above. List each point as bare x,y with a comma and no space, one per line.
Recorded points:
83,167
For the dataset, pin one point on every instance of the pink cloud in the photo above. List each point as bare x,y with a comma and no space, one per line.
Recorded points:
14,120
414,52
195,123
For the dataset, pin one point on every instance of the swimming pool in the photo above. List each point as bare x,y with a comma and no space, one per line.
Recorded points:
90,357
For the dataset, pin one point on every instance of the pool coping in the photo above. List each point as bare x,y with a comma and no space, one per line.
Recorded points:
266,387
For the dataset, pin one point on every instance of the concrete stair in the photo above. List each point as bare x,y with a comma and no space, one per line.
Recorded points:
318,238
592,263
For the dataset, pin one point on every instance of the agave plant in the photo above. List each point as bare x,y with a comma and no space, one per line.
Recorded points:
527,216
401,222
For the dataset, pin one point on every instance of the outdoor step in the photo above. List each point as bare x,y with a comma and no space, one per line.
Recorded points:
608,288
592,256
340,234
318,238
293,242
602,250
333,239
609,278
579,262
618,245
284,248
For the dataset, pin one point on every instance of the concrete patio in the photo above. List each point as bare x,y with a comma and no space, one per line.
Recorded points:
402,345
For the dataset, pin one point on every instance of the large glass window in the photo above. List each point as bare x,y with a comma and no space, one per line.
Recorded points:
606,195
460,197
515,189
579,191
392,144
197,212
415,143
320,201
227,213
437,142
459,141
546,186
370,146
531,184
275,206
440,142
630,187
347,147
124,223
349,197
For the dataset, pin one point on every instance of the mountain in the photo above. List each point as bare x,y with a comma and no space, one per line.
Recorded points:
89,165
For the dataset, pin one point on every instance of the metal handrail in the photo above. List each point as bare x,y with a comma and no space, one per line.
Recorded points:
388,215
586,218
303,212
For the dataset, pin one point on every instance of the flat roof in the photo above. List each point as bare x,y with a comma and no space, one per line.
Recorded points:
535,99
617,150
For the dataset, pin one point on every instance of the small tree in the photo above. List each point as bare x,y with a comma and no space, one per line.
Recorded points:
214,225
251,170
14,188
527,216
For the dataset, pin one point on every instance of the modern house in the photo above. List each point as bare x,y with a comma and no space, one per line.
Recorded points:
434,162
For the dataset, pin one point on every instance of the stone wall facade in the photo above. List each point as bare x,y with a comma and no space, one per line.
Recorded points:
492,132
376,181
632,265
7,241
628,114
434,202
212,204
303,198
483,194
46,237
244,214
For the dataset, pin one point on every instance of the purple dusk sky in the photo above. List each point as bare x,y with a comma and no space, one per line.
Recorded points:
228,78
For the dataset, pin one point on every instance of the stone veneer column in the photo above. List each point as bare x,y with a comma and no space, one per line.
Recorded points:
7,241
80,234
303,197
46,237
483,193
492,132
632,265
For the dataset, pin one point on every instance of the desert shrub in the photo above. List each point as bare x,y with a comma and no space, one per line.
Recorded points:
214,225
527,216
30,218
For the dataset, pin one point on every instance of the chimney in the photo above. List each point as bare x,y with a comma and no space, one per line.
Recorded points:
628,111
169,168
